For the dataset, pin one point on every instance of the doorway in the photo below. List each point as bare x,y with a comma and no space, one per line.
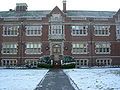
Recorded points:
56,51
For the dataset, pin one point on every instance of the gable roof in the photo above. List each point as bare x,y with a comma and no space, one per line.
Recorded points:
56,10
118,12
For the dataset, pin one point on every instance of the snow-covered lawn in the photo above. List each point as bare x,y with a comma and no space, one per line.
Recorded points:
11,79
96,79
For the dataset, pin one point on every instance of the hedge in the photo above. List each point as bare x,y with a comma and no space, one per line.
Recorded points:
45,66
68,66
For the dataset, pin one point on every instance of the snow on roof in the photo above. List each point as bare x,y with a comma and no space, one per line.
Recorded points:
94,14
70,13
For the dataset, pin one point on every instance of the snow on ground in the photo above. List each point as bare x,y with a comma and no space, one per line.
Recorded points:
17,79
96,79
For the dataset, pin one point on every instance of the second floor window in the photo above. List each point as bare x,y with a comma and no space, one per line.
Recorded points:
80,48
102,48
102,30
10,30
9,48
33,30
79,31
33,48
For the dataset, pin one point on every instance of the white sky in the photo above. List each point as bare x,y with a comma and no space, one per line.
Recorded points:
98,5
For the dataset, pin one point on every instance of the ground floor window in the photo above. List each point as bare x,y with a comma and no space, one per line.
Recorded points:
103,62
9,62
81,62
31,62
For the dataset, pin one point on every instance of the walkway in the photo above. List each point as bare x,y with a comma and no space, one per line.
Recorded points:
55,79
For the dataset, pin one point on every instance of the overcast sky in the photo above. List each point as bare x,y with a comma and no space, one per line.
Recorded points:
96,5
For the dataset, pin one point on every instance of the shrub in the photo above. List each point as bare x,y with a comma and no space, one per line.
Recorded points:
45,59
68,66
45,66
68,59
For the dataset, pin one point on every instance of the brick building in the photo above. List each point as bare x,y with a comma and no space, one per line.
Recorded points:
90,37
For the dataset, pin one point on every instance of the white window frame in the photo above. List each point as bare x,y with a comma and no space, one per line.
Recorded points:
118,31
9,62
79,30
101,61
33,46
82,63
31,62
80,46
100,30
8,30
56,30
103,46
33,30
56,18
9,46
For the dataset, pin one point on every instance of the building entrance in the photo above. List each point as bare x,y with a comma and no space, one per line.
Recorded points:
56,52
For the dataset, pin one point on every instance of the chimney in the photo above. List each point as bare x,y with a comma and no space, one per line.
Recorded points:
64,6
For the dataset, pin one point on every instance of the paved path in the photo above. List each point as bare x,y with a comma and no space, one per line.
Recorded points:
55,79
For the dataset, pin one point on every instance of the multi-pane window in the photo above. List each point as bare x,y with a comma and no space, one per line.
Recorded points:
33,30
79,30
31,62
81,63
33,48
101,30
80,48
118,18
56,49
118,31
8,62
102,48
103,62
10,30
9,48
56,30
56,18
